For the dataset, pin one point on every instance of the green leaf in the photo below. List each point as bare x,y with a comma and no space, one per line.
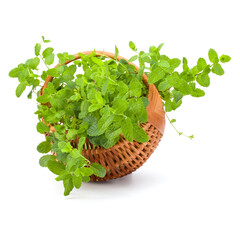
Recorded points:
45,40
65,146
37,49
197,92
95,107
173,121
155,75
225,58
163,64
44,147
120,106
72,134
127,129
86,171
68,186
43,98
203,80
49,59
217,69
48,51
63,176
14,73
98,170
113,132
160,46
135,88
98,96
104,123
42,128
139,134
56,167
77,181
201,64
132,59
20,89
177,95
164,86
213,56
53,72
97,61
116,52
43,161
132,46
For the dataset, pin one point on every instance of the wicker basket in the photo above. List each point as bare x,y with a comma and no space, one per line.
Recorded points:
125,157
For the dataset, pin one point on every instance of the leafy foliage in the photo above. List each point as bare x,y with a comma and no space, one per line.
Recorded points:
98,99
174,85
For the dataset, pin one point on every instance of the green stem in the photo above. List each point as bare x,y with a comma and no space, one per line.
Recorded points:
43,61
180,133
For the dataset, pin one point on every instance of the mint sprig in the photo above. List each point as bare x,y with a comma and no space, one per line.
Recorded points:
172,84
98,99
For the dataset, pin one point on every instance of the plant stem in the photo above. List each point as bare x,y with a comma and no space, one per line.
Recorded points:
43,61
180,133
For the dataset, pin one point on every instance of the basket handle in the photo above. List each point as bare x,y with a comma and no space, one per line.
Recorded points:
156,114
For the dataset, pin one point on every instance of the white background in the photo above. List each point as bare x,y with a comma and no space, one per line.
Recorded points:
187,189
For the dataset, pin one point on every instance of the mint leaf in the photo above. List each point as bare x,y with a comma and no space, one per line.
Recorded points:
42,128
53,72
43,98
86,171
77,181
225,58
20,89
63,176
155,75
197,93
97,61
48,51
203,80
72,134
14,73
132,59
139,134
213,56
44,147
116,52
43,161
135,88
104,123
65,146
132,46
56,167
49,59
68,186
45,40
120,106
217,69
164,86
201,64
37,49
177,95
95,107
98,170
127,129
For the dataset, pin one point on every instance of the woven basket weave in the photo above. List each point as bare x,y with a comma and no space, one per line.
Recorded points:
125,157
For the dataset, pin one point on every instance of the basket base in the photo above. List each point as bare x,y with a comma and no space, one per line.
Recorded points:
124,157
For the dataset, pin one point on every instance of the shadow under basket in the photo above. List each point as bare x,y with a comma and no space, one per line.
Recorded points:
126,157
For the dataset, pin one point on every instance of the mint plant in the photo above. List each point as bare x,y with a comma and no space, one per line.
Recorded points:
173,85
98,99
